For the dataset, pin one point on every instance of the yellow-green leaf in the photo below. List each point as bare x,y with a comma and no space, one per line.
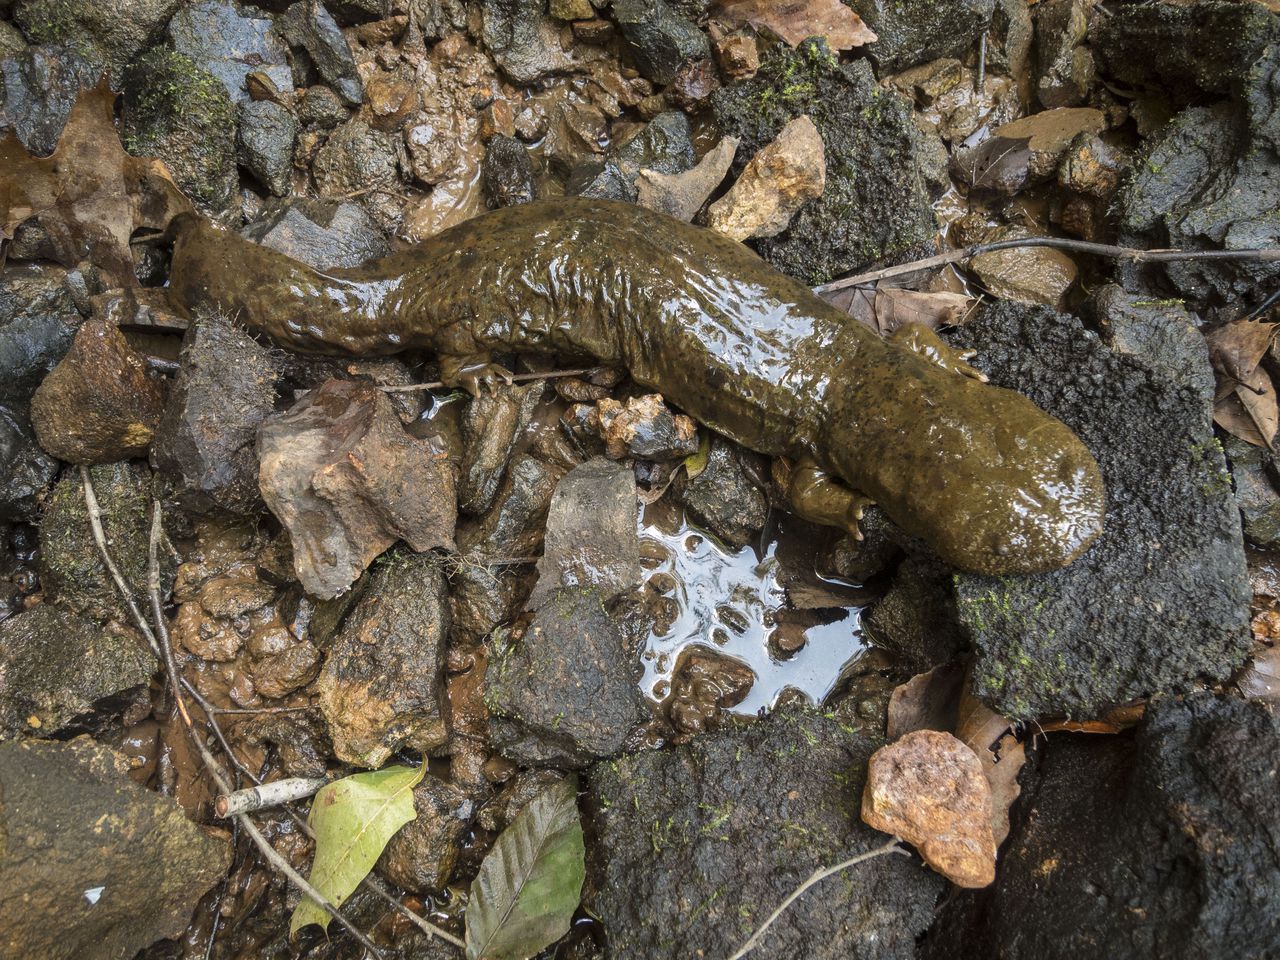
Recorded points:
353,819
531,881
695,463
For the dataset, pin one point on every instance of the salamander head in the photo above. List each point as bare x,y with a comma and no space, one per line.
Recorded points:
993,483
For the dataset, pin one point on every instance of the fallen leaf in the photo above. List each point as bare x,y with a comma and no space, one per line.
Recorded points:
1258,397
794,20
895,307
1001,164
353,818
681,195
857,302
929,789
977,725
928,701
1230,414
695,463
1002,776
89,195
530,883
1237,348
1114,720
1260,680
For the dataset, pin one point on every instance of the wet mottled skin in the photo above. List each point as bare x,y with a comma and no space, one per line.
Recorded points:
993,483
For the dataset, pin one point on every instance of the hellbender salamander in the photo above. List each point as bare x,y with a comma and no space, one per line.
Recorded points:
994,484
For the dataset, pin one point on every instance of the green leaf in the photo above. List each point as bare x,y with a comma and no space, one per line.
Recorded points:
353,818
531,881
695,463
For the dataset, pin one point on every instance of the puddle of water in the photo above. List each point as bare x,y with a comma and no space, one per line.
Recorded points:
733,601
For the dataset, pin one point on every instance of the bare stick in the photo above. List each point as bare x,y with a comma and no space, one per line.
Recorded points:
266,795
818,875
1057,243
516,378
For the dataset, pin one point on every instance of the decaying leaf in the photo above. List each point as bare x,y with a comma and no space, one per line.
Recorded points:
999,164
1230,414
928,788
793,20
531,881
1114,720
1258,397
885,309
1002,766
695,463
928,701
1236,349
89,195
354,818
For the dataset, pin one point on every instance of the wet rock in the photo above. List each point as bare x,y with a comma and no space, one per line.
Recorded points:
1035,275
1160,333
38,87
71,569
859,561
646,428
421,856
929,789
1255,493
513,527
516,794
115,32
38,320
913,31
264,144
340,473
524,40
703,684
693,85
681,195
1161,846
1161,599
230,43
354,158
567,691
876,205
485,595
26,472
95,867
1026,151
12,42
1065,66
661,39
1091,171
490,426
729,494
381,686
664,145
737,54
298,739
98,405
178,112
280,663
777,182
321,107
916,619
320,233
591,538
674,826
215,623
572,9
60,671
507,173
308,25
224,389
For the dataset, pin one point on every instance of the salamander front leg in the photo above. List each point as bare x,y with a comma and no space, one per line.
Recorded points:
818,496
923,341
473,372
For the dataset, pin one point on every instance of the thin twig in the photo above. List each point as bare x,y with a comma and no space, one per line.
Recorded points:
266,795
516,378
817,876
1057,243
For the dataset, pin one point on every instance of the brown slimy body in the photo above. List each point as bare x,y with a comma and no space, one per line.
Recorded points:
990,481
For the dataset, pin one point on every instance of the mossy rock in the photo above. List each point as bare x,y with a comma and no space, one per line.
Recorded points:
180,113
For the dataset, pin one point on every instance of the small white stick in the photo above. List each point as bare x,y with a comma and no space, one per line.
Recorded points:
266,795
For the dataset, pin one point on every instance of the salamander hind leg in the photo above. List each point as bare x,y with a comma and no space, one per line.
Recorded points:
473,373
816,495
924,342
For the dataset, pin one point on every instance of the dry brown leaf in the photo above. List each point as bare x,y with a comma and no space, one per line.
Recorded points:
857,302
926,702
1258,397
1237,348
1230,414
794,20
895,306
89,195
1002,767
1115,720
977,724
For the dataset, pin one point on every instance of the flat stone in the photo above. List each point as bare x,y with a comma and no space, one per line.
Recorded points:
230,43
591,538
422,854
321,233
264,144
118,32
40,86
339,471
673,828
661,39
1160,601
911,32
525,41
309,26
61,672
490,426
94,867
382,683
681,195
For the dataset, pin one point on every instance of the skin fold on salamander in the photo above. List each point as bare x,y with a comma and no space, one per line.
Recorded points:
991,482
